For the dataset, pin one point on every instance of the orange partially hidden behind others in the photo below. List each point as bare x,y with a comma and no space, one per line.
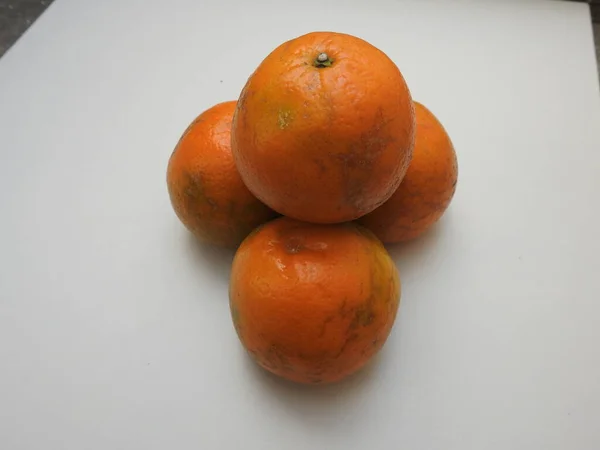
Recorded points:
324,128
313,303
205,188
425,191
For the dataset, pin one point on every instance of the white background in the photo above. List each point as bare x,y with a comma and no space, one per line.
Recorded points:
114,326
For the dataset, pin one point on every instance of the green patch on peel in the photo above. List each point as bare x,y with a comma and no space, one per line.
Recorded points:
235,316
284,118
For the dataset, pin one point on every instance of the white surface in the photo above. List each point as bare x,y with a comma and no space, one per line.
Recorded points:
114,328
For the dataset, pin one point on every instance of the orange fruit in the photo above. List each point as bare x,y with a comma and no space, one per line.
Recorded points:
311,302
324,128
425,191
205,188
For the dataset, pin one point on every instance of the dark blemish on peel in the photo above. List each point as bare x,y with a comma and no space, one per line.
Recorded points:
349,339
327,320
267,365
363,316
362,155
320,164
278,360
343,311
195,195
293,245
212,203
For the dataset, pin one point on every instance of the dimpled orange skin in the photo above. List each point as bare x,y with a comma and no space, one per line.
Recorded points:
324,144
313,303
205,188
427,189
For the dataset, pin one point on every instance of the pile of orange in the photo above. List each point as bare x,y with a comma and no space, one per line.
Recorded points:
325,133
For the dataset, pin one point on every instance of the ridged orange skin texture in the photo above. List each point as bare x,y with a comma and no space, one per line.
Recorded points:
427,188
324,144
205,188
313,303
